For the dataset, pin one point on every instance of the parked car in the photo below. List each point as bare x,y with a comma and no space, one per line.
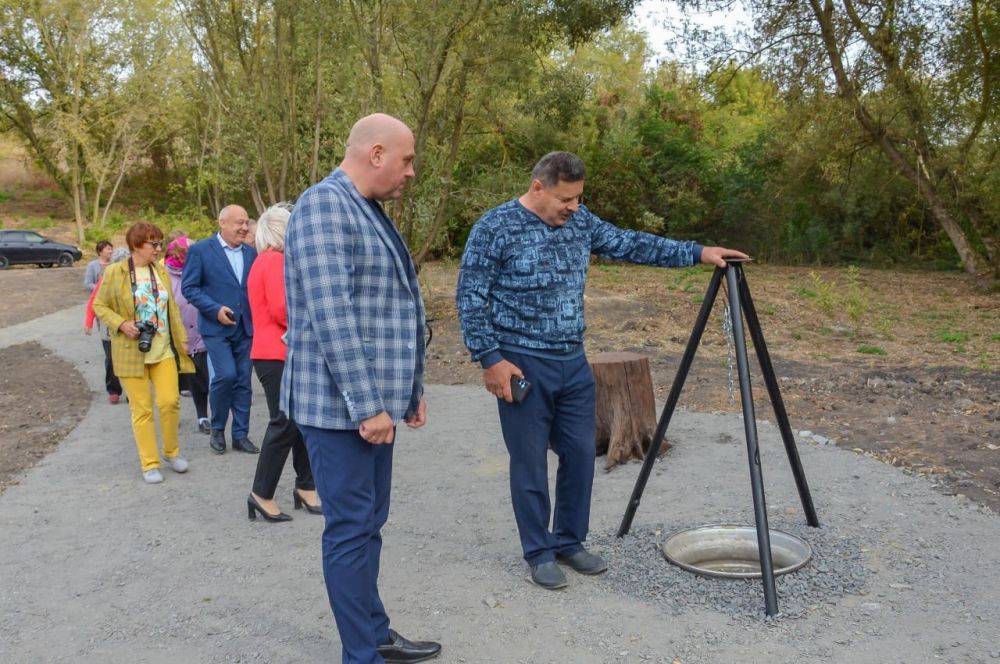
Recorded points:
25,247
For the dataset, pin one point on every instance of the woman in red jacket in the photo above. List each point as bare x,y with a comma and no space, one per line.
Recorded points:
266,291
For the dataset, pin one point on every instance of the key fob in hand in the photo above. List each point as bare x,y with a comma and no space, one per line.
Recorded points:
519,388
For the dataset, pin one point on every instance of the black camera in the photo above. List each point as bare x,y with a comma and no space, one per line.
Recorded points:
147,330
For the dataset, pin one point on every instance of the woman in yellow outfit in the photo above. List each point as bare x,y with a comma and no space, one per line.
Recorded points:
135,297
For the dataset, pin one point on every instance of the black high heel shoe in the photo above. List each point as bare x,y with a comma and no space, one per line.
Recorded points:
299,503
254,508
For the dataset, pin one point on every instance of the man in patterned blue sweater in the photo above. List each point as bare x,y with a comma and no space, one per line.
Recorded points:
520,303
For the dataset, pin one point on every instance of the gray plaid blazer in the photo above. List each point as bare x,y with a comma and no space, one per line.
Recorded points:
355,316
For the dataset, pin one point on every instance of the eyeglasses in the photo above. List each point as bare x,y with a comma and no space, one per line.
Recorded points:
155,245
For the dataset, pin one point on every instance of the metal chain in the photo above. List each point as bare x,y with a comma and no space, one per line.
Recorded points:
727,333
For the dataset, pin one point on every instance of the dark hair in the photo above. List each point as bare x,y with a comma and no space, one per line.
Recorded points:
142,232
102,244
558,166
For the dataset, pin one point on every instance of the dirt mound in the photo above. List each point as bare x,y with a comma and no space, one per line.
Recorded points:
42,398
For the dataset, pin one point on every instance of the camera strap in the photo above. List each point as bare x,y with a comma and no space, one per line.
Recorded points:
152,285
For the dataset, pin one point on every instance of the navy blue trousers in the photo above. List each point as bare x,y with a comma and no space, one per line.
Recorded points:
353,478
559,410
229,390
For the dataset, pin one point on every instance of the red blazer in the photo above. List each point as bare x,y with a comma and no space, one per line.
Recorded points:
266,291
89,315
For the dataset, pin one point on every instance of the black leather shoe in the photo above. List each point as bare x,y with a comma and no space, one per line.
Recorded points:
584,562
254,508
244,445
299,503
218,441
548,575
400,649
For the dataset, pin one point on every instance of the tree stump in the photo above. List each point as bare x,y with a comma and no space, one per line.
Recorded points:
626,408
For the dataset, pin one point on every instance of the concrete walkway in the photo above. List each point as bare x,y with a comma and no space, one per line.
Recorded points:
96,566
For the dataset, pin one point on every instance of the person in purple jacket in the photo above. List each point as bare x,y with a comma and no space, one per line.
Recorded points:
196,383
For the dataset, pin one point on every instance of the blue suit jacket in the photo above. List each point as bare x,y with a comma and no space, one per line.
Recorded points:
355,320
208,282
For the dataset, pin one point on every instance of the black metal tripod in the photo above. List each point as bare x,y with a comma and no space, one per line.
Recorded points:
740,304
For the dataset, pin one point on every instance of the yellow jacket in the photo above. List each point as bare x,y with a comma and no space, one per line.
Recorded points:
114,305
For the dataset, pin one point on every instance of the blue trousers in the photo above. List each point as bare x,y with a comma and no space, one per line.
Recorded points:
229,389
353,478
559,410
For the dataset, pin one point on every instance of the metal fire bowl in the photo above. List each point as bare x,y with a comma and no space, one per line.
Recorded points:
730,552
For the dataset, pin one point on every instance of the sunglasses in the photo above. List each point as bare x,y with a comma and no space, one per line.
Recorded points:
155,245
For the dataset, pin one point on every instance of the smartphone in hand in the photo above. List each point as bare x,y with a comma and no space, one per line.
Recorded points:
519,388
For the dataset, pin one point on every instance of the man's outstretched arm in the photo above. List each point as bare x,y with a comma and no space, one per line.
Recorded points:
609,241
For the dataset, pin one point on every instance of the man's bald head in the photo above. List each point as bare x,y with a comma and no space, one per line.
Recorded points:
379,156
234,224
375,129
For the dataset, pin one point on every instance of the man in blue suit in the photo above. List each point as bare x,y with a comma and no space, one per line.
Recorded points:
215,282
355,368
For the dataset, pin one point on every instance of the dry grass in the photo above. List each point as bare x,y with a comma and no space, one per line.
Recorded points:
17,172
819,315
29,198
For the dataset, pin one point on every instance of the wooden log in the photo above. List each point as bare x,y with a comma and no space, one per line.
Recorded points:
626,408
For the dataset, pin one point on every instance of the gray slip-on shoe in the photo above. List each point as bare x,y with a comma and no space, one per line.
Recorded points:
584,562
548,575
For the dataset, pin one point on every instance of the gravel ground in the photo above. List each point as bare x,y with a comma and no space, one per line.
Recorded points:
839,571
98,567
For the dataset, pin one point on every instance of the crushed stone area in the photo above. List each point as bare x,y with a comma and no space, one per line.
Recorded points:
640,571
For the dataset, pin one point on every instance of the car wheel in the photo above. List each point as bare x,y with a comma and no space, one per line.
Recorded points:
4,262
65,260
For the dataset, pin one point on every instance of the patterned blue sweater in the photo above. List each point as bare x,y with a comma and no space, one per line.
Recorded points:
521,281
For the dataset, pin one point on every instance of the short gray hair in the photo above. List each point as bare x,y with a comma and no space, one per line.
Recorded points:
558,166
271,227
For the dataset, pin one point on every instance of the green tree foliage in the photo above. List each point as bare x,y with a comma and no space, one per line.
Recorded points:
919,79
83,83
189,105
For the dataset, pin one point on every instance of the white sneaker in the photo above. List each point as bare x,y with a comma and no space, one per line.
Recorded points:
152,476
178,464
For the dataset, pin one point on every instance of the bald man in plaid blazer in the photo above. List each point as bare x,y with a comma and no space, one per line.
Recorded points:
355,316
355,368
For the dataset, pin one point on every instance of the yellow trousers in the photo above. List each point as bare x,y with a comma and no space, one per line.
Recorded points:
161,378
